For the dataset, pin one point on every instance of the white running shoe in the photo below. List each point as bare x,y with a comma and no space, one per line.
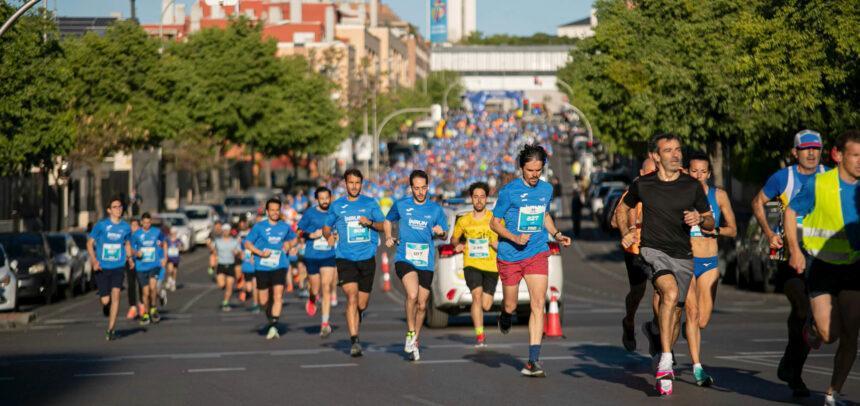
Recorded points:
409,345
273,333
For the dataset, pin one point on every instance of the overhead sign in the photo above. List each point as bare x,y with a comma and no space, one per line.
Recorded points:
438,21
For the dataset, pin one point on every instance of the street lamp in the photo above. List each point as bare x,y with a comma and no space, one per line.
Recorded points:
577,111
17,15
385,121
445,97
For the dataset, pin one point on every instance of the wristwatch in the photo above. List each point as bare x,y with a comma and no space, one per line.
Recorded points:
556,234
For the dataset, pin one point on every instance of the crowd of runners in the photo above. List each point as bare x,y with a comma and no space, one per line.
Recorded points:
670,220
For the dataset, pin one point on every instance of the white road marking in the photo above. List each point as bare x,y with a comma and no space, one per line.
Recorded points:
203,370
416,399
329,365
774,364
769,340
104,374
195,299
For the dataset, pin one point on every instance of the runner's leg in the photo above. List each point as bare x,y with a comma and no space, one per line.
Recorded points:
421,309
228,288
846,353
668,289
825,312
350,290
410,285
691,310
478,301
114,307
706,288
327,281
537,285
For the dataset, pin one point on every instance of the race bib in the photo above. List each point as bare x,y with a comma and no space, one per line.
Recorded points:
531,219
356,233
273,260
111,252
173,252
247,255
695,231
418,254
320,244
478,247
147,254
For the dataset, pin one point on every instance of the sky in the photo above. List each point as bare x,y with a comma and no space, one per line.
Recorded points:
516,17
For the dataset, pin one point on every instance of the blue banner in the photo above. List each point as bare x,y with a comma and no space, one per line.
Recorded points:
438,21
479,99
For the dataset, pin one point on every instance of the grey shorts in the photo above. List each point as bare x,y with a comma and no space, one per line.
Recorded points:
662,264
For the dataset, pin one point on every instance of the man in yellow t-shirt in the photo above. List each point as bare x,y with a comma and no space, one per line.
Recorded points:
472,236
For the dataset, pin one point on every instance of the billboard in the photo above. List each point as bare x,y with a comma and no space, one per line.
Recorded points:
438,21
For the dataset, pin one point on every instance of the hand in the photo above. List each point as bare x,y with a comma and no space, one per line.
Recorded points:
316,234
390,242
96,265
365,221
437,230
332,240
459,248
131,265
775,241
265,253
629,239
522,239
797,261
138,254
562,239
692,218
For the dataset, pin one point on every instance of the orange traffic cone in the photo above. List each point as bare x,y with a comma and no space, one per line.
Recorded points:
386,276
552,321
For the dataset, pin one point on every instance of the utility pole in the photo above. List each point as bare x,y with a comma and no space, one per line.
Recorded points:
133,10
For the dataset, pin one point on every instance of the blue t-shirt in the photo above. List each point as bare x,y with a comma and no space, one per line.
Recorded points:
804,202
355,242
313,220
263,236
173,249
415,224
523,208
110,239
247,258
148,244
778,182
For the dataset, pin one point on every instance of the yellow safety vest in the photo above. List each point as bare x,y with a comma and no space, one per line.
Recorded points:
824,235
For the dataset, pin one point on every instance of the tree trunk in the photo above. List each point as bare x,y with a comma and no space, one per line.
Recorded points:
717,164
195,187
97,190
266,164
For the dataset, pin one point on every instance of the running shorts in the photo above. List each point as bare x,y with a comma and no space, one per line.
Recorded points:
662,264
476,278
425,278
823,278
360,272
108,279
702,265
267,279
313,266
511,273
637,270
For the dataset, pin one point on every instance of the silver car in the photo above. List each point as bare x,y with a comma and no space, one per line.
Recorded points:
8,284
201,219
177,222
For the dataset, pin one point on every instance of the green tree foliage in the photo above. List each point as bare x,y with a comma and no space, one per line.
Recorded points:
478,38
34,121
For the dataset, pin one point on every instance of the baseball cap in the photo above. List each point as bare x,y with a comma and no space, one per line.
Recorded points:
807,139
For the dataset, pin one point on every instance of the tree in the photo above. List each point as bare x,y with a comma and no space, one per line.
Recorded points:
478,38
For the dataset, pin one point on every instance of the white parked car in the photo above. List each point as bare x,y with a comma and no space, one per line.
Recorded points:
450,296
201,219
600,192
8,284
177,222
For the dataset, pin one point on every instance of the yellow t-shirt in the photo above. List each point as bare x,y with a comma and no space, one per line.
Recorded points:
478,252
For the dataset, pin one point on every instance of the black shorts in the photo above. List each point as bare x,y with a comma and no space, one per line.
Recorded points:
313,265
267,279
823,278
476,278
638,270
227,270
143,277
425,278
108,279
360,272
785,273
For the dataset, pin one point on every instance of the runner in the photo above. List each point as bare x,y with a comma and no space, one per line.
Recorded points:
637,271
173,245
703,287
270,241
135,306
150,256
419,222
227,249
479,256
247,268
213,257
357,220
672,203
523,250
318,257
831,236
111,238
785,184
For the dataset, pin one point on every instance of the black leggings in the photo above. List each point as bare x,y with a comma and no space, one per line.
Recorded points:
134,293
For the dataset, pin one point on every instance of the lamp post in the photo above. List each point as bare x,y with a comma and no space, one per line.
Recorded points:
17,15
445,97
385,121
577,111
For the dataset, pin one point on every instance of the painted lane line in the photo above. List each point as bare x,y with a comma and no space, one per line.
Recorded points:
769,340
328,366
204,370
104,374
195,299
774,364
416,399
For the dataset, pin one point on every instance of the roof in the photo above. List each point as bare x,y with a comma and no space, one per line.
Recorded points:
583,21
82,25
503,48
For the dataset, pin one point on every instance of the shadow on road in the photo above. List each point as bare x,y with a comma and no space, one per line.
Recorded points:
49,378
128,332
748,382
613,364
494,359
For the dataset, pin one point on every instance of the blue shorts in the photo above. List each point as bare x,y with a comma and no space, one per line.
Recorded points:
108,279
702,265
144,276
313,265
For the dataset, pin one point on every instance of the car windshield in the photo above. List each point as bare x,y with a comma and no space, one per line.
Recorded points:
197,214
174,221
80,240
239,201
23,245
57,244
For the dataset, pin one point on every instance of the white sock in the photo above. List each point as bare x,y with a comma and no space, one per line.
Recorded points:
325,318
665,362
697,366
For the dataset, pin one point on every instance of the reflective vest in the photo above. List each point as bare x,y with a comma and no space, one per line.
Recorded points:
824,235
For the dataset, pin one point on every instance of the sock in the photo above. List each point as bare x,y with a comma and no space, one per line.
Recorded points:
325,319
479,330
353,339
665,362
697,366
534,353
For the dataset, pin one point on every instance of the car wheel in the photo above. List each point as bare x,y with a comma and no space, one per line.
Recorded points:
766,285
435,318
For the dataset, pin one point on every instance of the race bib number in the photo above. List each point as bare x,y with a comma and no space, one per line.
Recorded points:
247,255
111,252
356,233
478,247
531,219
320,244
173,252
147,254
695,231
273,260
418,254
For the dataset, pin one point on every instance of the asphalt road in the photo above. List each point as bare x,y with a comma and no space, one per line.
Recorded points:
199,355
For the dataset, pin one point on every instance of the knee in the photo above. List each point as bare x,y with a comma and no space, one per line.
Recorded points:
692,315
669,296
412,297
538,305
422,306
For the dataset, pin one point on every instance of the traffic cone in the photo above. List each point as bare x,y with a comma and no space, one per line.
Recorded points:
552,321
386,276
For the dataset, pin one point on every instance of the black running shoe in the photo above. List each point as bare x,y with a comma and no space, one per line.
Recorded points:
110,335
504,323
628,338
799,389
355,350
533,369
783,371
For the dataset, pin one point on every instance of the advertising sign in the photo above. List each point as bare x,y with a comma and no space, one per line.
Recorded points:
438,21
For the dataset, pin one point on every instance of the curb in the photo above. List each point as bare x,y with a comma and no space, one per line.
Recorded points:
16,319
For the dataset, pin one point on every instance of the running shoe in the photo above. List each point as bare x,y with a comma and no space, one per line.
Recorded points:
256,309
225,306
812,339
355,350
830,400
132,313
140,309
304,294
334,301
409,345
162,297
416,354
310,308
533,369
628,337
273,333
325,330
153,314
504,323
144,320
481,341
211,271
702,377
653,339
243,296
106,309
664,382
110,335
798,388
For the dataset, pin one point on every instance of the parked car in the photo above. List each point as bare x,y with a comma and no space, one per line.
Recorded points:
8,284
80,239
31,260
177,222
221,210
70,264
754,267
240,205
596,201
450,296
604,215
201,219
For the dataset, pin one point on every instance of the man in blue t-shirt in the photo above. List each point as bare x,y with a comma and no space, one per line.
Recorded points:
522,205
419,222
150,256
831,238
783,186
270,241
357,220
318,257
109,248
